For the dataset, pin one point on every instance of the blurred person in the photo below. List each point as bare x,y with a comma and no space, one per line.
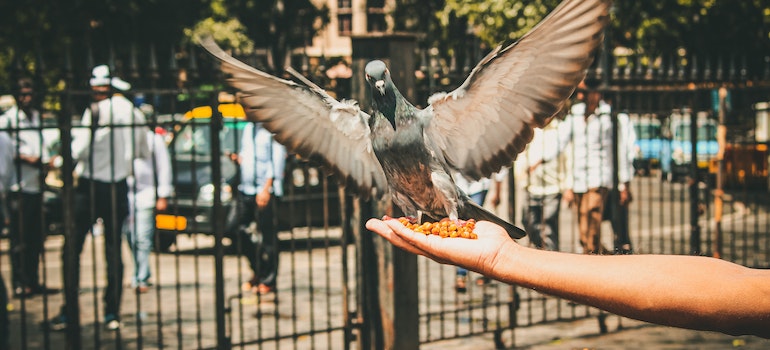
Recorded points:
6,180
588,127
23,123
149,189
112,137
691,292
7,177
619,199
543,187
262,162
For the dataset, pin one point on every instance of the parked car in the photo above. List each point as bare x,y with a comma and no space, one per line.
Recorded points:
650,143
681,145
306,201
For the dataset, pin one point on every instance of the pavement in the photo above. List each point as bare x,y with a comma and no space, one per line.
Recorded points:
623,333
178,312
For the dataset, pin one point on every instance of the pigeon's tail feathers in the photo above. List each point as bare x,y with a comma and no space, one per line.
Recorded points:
474,211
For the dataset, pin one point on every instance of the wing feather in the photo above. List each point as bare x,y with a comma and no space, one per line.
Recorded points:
515,88
308,121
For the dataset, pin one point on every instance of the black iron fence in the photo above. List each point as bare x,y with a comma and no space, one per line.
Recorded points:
687,200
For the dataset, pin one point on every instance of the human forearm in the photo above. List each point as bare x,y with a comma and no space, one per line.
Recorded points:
682,291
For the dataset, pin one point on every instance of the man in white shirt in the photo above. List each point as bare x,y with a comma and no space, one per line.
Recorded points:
28,149
112,136
149,189
543,186
7,177
589,127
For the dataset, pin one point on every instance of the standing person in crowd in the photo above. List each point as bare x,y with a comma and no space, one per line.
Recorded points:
478,191
262,162
29,149
619,199
6,179
7,176
589,128
543,187
113,136
149,189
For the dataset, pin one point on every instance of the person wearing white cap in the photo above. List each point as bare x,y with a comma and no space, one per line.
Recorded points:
113,136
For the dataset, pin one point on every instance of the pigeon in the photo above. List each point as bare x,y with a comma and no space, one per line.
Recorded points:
411,153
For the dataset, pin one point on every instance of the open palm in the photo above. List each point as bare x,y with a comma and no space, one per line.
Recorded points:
480,255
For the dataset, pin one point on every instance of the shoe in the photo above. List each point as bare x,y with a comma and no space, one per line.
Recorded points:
23,292
42,290
264,289
111,322
250,285
142,288
113,325
57,324
482,281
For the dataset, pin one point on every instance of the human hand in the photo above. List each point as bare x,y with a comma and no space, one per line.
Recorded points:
161,204
480,255
569,198
494,198
263,198
234,157
533,167
625,197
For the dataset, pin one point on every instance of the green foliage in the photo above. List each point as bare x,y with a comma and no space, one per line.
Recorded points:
83,31
652,27
495,21
229,33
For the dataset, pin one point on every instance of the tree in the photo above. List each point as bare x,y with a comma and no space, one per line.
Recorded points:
653,28
58,33
275,25
495,21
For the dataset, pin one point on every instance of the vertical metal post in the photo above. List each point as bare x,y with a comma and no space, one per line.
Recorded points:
71,253
223,342
719,193
695,239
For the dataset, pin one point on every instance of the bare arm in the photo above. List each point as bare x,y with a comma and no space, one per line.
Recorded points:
683,291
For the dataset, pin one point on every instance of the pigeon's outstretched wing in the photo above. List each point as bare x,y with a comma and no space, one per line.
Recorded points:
488,120
307,121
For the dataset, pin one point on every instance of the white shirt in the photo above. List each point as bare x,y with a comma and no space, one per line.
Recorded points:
591,149
118,138
549,178
29,142
7,171
262,158
148,170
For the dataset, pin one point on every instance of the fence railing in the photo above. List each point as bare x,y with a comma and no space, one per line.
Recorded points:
197,301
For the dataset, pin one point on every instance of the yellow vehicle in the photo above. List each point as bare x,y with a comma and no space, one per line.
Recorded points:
305,199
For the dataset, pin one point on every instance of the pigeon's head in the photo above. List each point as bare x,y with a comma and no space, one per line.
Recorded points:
378,76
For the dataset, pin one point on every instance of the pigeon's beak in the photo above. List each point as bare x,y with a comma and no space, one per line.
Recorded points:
380,86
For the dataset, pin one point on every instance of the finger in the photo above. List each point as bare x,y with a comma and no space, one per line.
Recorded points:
417,242
385,231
